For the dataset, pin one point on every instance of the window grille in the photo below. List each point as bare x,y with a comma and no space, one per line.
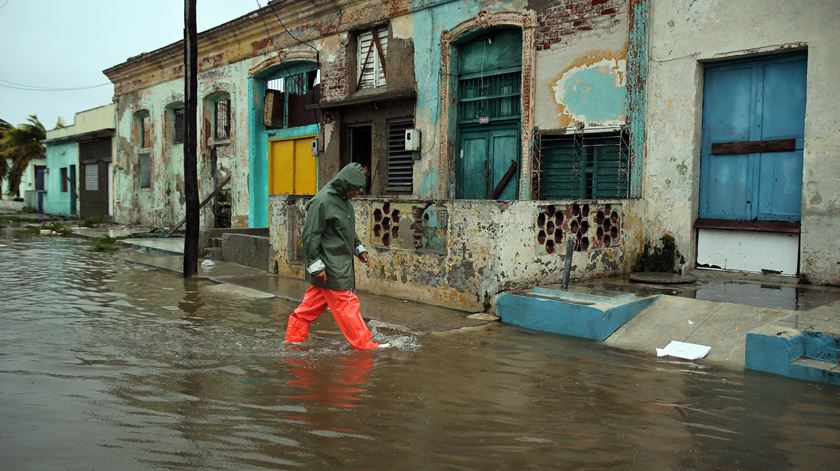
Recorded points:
178,136
92,177
371,53
485,98
585,166
287,99
222,132
400,161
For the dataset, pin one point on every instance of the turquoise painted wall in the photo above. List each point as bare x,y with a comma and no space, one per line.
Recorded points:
428,26
60,156
258,148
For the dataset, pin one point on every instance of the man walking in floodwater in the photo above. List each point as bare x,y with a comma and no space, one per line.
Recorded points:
330,243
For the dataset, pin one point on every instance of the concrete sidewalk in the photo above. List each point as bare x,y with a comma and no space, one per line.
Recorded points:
381,311
734,306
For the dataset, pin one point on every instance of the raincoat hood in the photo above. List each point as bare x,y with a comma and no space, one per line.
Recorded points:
349,178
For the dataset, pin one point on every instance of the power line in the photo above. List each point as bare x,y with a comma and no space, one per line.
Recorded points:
38,88
4,4
271,5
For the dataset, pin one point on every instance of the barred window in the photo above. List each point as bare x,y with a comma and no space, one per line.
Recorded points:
222,131
584,166
400,161
287,99
482,98
178,131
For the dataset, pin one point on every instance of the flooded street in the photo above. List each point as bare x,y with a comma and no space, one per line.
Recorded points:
109,365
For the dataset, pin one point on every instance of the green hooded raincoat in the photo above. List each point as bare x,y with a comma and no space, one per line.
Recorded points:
329,231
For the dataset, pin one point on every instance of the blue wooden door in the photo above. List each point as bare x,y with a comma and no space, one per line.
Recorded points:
753,128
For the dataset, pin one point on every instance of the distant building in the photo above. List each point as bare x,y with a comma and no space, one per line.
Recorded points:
79,169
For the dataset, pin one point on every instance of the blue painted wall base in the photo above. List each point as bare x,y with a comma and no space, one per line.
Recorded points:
812,356
577,314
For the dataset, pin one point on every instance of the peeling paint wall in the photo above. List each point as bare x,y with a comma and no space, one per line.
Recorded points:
484,248
163,204
683,34
582,76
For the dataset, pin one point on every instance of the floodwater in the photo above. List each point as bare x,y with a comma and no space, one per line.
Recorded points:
108,365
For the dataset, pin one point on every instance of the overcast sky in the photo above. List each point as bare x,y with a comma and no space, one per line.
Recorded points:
68,43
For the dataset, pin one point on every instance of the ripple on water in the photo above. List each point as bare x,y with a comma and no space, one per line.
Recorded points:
114,366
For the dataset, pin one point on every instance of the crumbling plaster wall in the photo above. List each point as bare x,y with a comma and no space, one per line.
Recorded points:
683,35
490,247
163,204
581,65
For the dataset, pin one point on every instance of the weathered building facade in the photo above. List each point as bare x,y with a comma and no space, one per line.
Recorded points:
742,135
530,124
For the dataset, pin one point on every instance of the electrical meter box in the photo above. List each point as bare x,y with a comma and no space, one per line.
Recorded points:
412,139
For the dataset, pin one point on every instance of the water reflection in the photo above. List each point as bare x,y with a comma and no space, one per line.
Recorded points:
337,381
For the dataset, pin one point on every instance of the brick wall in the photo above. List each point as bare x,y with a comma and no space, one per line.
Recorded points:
334,76
574,16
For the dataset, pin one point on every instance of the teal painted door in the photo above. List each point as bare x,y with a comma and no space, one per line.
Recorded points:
484,158
760,103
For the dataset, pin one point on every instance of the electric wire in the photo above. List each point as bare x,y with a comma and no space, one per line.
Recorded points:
271,5
38,88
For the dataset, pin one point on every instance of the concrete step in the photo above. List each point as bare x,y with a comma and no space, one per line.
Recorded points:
214,242
808,355
579,314
246,249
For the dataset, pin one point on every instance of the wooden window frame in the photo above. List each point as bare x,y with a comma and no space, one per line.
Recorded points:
378,61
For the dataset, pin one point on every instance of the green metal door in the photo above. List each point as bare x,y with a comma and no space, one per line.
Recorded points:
486,156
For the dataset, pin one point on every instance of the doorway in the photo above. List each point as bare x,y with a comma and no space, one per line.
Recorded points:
360,148
293,169
751,164
489,115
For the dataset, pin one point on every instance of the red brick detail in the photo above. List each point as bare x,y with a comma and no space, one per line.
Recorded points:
334,78
575,16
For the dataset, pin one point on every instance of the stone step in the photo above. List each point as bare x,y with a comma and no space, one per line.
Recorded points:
808,355
586,315
214,242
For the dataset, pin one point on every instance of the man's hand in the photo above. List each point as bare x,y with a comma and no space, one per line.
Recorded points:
321,276
364,257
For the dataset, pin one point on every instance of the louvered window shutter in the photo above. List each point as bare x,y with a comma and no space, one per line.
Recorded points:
371,73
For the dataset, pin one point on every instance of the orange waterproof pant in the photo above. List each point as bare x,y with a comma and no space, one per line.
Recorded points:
345,308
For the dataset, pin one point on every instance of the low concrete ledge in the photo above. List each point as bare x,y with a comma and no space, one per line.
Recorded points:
812,356
245,249
206,234
584,315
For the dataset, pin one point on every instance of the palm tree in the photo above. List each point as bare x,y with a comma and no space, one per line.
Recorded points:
20,144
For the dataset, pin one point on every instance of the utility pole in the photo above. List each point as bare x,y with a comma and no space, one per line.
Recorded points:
190,139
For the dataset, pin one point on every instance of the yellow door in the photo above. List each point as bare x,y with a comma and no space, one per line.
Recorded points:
305,168
292,167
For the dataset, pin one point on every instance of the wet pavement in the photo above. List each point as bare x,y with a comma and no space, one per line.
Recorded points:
106,364
782,293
